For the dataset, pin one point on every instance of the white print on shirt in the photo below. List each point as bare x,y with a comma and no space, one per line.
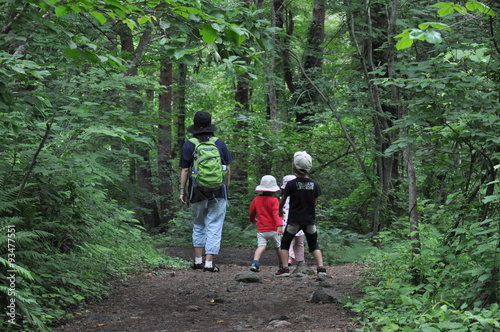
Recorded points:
305,185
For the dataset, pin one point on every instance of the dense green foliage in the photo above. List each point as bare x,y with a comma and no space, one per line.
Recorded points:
391,99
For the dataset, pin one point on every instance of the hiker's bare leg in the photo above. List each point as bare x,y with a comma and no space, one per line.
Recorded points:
209,257
198,252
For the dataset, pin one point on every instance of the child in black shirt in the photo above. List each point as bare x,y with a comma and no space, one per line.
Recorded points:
303,192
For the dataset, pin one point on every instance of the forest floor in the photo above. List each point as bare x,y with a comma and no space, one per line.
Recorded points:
193,300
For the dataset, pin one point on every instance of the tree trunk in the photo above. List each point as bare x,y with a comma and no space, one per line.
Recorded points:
283,19
181,108
165,167
239,175
374,52
313,64
146,199
412,209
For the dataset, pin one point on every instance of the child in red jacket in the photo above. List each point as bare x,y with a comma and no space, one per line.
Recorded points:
264,212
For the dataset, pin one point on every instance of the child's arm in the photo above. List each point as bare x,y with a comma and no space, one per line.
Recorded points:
277,218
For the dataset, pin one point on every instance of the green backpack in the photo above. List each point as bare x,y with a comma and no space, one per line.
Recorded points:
207,170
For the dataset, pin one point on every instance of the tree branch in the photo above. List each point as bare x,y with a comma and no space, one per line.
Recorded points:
35,156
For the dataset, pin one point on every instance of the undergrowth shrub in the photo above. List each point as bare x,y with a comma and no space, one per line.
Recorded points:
341,247
450,295
60,265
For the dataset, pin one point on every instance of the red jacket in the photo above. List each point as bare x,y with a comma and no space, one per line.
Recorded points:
264,212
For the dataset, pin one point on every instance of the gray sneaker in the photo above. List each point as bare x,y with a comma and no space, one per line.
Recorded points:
254,268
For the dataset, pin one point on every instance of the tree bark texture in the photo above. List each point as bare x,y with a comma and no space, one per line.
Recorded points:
375,51
313,64
165,163
146,198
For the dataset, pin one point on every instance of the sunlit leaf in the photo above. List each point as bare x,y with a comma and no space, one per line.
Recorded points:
208,33
433,37
144,19
417,34
435,25
404,42
445,11
61,10
98,16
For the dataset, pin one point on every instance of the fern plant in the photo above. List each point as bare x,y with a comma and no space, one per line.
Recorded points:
16,295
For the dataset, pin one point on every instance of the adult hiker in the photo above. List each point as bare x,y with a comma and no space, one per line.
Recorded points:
204,161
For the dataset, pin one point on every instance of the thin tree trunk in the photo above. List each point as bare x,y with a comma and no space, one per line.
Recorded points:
146,198
382,113
181,108
412,209
165,143
239,175
313,64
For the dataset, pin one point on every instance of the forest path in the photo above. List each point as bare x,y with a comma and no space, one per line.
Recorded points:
193,300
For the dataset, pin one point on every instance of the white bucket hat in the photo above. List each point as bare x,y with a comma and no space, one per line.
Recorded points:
267,183
302,162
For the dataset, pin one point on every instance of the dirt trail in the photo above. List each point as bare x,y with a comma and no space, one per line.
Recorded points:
193,300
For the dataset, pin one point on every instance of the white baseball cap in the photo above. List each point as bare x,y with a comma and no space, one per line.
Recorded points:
302,162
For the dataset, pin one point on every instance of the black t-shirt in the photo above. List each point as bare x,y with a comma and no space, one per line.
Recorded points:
302,192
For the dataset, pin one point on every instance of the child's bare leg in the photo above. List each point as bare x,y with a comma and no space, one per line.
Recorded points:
284,255
318,257
278,254
258,253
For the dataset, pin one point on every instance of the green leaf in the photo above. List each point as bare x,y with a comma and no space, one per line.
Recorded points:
98,16
446,325
417,34
474,5
491,198
75,8
144,19
460,9
72,53
61,10
445,11
403,34
72,44
179,53
236,35
130,24
435,25
404,42
208,33
433,37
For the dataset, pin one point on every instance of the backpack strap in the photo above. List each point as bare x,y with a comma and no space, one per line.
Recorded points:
194,140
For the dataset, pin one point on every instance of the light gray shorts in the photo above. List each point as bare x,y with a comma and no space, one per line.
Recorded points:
272,236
